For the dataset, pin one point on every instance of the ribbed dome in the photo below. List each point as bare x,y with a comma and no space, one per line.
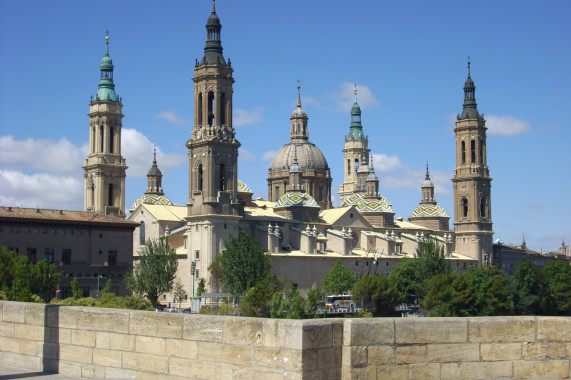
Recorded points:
308,156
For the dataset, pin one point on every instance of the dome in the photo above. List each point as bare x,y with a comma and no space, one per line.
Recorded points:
243,188
427,183
213,19
296,199
298,112
151,200
154,170
428,211
353,200
308,156
372,177
374,205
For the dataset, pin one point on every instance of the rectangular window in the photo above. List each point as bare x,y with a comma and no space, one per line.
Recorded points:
31,253
112,258
321,193
197,255
70,232
49,255
66,256
277,192
196,274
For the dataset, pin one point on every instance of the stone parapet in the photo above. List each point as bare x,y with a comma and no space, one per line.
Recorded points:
107,343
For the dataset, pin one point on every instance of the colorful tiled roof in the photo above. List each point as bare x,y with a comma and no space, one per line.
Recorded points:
368,205
151,200
428,211
352,200
296,199
243,188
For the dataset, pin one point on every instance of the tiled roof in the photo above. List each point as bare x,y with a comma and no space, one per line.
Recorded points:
428,211
60,215
167,213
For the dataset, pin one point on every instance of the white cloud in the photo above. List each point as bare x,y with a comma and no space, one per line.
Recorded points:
172,117
386,164
243,117
506,125
41,190
57,157
246,156
138,151
344,97
269,155
309,100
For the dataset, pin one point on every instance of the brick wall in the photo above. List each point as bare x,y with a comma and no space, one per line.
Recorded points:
99,343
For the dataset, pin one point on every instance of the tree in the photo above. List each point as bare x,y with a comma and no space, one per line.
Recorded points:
432,259
256,301
201,287
154,274
558,274
288,304
339,280
438,290
107,288
377,295
314,302
76,289
531,289
45,278
241,265
406,274
179,293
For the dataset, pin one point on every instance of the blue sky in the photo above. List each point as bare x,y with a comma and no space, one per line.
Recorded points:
408,59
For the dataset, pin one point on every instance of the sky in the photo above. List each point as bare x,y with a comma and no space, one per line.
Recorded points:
407,58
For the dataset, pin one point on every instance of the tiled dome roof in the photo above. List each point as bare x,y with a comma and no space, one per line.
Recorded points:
151,200
296,199
368,205
428,210
243,188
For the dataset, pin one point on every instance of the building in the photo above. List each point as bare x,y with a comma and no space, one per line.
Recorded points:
507,257
90,247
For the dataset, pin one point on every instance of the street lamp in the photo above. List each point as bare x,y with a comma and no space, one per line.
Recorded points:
192,271
98,277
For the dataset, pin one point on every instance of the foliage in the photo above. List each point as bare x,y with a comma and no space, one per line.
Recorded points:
493,294
45,278
201,287
432,259
558,274
288,304
179,292
108,300
241,265
107,288
256,301
220,309
438,290
314,302
76,289
406,275
377,295
154,274
531,290
339,280
71,301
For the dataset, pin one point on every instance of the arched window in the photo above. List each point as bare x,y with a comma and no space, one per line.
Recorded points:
111,140
92,188
142,234
348,167
356,165
473,150
464,203
481,152
463,152
223,109
93,140
153,185
199,121
211,108
298,128
110,194
222,178
101,138
304,128
200,178
483,203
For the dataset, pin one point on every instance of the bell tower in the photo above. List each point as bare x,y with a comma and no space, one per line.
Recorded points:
472,181
213,205
105,168
356,147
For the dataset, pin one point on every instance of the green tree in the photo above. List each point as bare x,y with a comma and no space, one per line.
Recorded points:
432,259
179,293
76,289
407,276
107,288
314,302
241,265
201,287
377,295
288,304
558,276
493,295
531,290
339,280
155,271
439,291
256,301
45,278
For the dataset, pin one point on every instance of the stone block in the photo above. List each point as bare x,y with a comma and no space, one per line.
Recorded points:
337,329
326,358
6,329
76,354
58,336
223,371
22,361
157,376
531,369
10,345
62,316
430,330
502,329
316,334
250,373
500,351
102,340
31,332
164,325
191,368
109,358
14,312
554,329
145,362
357,357
411,354
203,327
107,320
48,350
90,371
35,314
243,331
486,370
181,348
558,350
278,357
356,373
224,353
83,338
369,332
454,352
450,371
391,372
381,355
430,371
119,373
122,342
69,368
150,345
29,347
282,333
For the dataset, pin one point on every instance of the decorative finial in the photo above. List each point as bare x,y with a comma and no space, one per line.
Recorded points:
107,43
371,161
468,66
298,94
213,6
427,175
155,155
355,90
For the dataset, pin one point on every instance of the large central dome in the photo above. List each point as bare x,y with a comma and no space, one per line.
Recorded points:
308,156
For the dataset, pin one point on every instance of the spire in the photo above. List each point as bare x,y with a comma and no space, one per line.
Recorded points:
470,110
427,174
154,170
106,88
427,189
213,48
356,129
298,95
298,120
295,168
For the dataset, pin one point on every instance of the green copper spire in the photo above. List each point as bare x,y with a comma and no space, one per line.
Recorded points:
106,91
356,131
213,48
470,109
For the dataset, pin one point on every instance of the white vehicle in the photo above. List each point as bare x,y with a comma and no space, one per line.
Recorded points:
340,304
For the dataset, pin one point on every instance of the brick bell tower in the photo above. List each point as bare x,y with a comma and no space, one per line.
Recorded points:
472,181
213,207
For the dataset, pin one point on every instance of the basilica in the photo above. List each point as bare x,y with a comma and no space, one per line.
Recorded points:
297,224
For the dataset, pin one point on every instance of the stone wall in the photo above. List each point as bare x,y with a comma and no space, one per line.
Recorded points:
98,343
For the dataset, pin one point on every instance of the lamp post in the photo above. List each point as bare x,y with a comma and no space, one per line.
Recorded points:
192,271
98,277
